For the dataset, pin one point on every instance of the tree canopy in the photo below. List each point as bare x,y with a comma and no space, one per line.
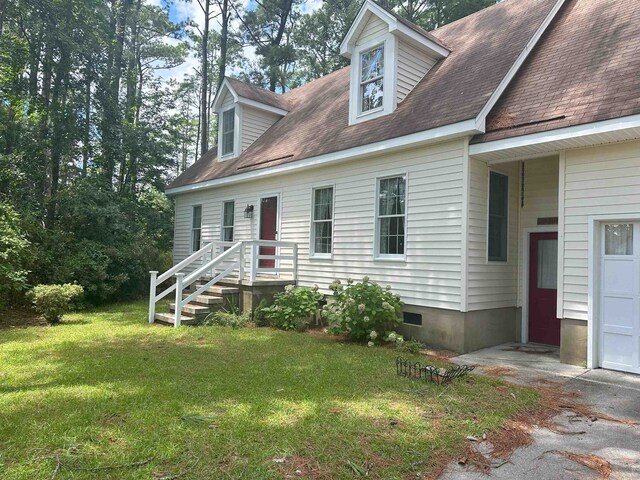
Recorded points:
92,126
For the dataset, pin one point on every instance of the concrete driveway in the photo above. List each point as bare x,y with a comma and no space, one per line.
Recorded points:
612,393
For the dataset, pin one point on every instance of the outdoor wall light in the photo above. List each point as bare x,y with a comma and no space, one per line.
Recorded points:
248,212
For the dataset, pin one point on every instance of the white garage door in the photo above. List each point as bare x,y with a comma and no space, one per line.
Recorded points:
620,297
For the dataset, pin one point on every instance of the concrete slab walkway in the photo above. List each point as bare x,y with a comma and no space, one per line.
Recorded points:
612,393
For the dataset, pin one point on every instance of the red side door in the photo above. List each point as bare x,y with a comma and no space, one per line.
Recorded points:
544,327
268,228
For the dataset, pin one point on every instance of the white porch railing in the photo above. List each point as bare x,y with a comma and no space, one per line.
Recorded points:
218,260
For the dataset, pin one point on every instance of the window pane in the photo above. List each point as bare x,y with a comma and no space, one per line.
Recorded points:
392,196
323,204
228,215
498,217
372,95
372,62
322,235
392,236
195,239
548,264
197,216
227,234
618,239
228,126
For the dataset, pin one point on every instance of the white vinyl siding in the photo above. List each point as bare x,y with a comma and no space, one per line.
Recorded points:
540,191
430,276
413,64
373,29
491,284
254,123
227,101
598,181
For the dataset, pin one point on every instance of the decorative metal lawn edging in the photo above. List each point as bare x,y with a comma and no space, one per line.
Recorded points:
406,368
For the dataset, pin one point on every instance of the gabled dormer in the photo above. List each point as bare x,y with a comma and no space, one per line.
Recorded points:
389,56
244,112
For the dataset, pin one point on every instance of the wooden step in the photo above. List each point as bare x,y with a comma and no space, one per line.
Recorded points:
218,289
168,319
191,309
205,299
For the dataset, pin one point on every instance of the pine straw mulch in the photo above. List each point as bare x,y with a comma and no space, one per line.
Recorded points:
516,432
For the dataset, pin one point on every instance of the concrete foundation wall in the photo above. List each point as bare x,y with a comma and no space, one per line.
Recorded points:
573,341
463,332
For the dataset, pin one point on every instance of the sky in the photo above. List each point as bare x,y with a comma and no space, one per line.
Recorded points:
184,10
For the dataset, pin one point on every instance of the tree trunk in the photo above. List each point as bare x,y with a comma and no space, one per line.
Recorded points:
86,138
273,70
204,139
224,42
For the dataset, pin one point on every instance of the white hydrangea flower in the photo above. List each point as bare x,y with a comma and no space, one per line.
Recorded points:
373,335
361,307
366,319
370,344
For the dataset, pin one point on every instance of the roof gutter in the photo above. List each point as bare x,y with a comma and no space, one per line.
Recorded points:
460,129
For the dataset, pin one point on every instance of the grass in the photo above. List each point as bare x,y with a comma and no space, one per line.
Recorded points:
106,395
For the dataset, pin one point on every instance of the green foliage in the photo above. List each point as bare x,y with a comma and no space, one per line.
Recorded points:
13,245
364,311
53,301
410,346
292,308
223,318
260,317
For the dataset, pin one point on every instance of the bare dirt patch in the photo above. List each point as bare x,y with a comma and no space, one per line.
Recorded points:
20,318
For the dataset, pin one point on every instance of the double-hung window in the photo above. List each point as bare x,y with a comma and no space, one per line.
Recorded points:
498,229
372,79
228,131
322,221
228,221
196,228
391,216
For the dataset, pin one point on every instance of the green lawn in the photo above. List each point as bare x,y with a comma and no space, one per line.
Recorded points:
107,390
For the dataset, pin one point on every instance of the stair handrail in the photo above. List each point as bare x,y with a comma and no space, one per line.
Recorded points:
183,282
186,262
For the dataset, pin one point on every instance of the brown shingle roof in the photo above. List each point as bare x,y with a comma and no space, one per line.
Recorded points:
258,94
483,48
585,69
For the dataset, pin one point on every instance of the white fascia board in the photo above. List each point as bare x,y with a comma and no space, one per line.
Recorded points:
395,27
567,133
460,129
225,86
519,61
261,106
413,37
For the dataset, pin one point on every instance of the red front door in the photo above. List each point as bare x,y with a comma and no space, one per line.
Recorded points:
268,228
544,327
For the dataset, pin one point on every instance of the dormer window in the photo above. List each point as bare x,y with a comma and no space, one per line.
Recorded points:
228,131
372,79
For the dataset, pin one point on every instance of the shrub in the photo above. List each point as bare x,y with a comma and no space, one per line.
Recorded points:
364,311
292,308
53,301
223,318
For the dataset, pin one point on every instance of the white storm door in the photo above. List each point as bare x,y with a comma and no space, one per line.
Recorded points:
619,302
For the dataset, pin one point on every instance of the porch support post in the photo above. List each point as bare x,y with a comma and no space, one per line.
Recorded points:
152,296
178,305
241,266
254,260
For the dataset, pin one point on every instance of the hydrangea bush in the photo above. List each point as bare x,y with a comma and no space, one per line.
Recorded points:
292,308
53,301
364,311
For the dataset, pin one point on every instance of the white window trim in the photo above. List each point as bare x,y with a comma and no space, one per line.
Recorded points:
500,172
237,136
223,226
312,230
389,80
193,229
380,257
